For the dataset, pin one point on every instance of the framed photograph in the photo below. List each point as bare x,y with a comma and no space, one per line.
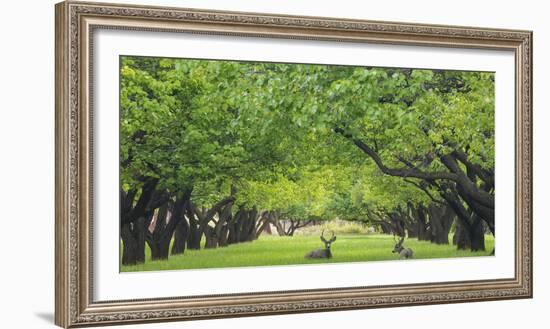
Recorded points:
220,164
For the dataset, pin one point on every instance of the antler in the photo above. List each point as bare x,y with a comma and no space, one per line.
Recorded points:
323,236
333,237
401,239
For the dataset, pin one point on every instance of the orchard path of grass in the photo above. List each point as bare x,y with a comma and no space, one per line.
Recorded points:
275,250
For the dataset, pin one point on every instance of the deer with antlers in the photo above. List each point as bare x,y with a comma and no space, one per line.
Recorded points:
404,253
322,253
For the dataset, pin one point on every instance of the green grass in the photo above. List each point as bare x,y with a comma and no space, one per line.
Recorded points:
275,250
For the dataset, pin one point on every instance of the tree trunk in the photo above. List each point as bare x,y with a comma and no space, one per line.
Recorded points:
157,240
194,236
225,219
129,245
461,238
385,227
477,235
159,249
424,232
412,230
267,229
199,227
181,235
274,219
134,215
470,227
249,226
479,200
261,225
133,241
409,220
441,219
140,230
222,240
291,230
211,240
235,226
169,216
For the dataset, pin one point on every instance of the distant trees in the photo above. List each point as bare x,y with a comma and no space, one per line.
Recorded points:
439,134
218,150
434,129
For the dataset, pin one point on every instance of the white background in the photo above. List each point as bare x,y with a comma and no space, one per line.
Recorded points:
27,163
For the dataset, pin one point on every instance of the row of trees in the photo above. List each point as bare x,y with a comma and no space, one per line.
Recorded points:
218,150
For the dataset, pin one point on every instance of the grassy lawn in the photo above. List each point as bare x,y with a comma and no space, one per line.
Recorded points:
275,250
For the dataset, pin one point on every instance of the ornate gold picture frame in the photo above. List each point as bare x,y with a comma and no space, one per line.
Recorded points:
76,23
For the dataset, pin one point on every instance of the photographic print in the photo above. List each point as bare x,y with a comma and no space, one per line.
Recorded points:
214,164
237,163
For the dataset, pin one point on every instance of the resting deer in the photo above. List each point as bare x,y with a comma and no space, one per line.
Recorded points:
322,253
403,252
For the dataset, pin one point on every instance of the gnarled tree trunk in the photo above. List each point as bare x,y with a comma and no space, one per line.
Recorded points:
422,223
134,219
477,234
461,237
262,225
181,235
211,239
469,222
133,241
168,217
129,245
248,229
441,220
